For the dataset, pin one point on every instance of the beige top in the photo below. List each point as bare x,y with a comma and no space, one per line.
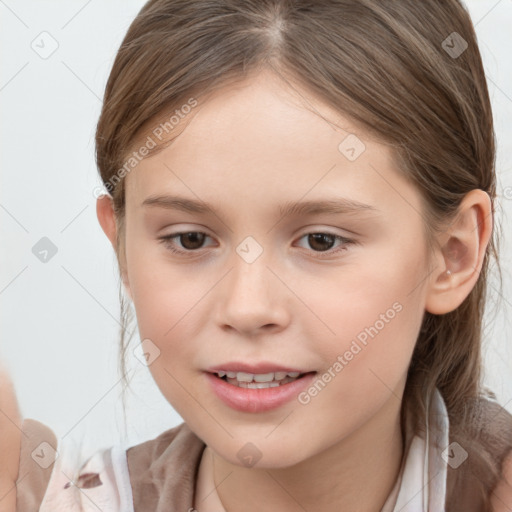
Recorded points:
169,473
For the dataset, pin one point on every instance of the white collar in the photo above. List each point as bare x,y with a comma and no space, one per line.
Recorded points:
423,485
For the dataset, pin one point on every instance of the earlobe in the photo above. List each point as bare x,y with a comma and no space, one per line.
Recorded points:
461,252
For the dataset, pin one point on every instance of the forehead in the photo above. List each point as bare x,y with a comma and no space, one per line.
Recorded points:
262,141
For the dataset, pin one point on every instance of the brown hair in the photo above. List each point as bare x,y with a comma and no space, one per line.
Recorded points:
384,64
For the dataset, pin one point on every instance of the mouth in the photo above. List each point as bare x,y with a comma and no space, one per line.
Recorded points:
259,380
258,392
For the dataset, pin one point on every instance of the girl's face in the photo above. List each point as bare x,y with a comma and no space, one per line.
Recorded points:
263,285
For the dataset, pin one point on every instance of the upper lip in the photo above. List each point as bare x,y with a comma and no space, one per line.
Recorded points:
255,368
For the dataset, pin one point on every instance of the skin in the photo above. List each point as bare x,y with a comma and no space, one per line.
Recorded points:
10,441
246,150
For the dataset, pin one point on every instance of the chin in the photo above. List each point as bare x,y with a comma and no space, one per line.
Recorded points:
263,454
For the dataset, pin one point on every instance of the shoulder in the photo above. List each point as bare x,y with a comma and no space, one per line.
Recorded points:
501,498
485,434
53,475
174,443
157,473
163,470
492,424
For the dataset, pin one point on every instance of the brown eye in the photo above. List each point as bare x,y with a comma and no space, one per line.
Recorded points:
321,241
192,240
189,241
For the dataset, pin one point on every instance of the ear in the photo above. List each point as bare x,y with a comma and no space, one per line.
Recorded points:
459,254
108,222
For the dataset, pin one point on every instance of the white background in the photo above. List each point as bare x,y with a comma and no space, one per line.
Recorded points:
59,320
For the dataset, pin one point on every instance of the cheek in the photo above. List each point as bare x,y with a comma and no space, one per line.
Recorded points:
166,316
370,315
165,299
365,361
161,291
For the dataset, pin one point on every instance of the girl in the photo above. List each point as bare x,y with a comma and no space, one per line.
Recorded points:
301,200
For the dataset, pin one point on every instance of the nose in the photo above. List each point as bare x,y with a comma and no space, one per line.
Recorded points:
252,298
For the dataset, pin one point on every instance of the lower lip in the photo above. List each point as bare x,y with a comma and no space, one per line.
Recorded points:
258,400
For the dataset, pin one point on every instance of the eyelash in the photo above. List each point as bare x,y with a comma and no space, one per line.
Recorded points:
166,240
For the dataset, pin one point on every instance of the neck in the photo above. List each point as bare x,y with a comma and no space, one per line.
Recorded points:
358,473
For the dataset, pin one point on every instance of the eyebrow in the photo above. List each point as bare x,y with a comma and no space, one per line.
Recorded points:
338,205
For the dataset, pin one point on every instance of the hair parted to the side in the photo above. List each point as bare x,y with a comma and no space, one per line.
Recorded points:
380,63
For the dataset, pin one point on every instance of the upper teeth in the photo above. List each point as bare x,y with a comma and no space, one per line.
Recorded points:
257,377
